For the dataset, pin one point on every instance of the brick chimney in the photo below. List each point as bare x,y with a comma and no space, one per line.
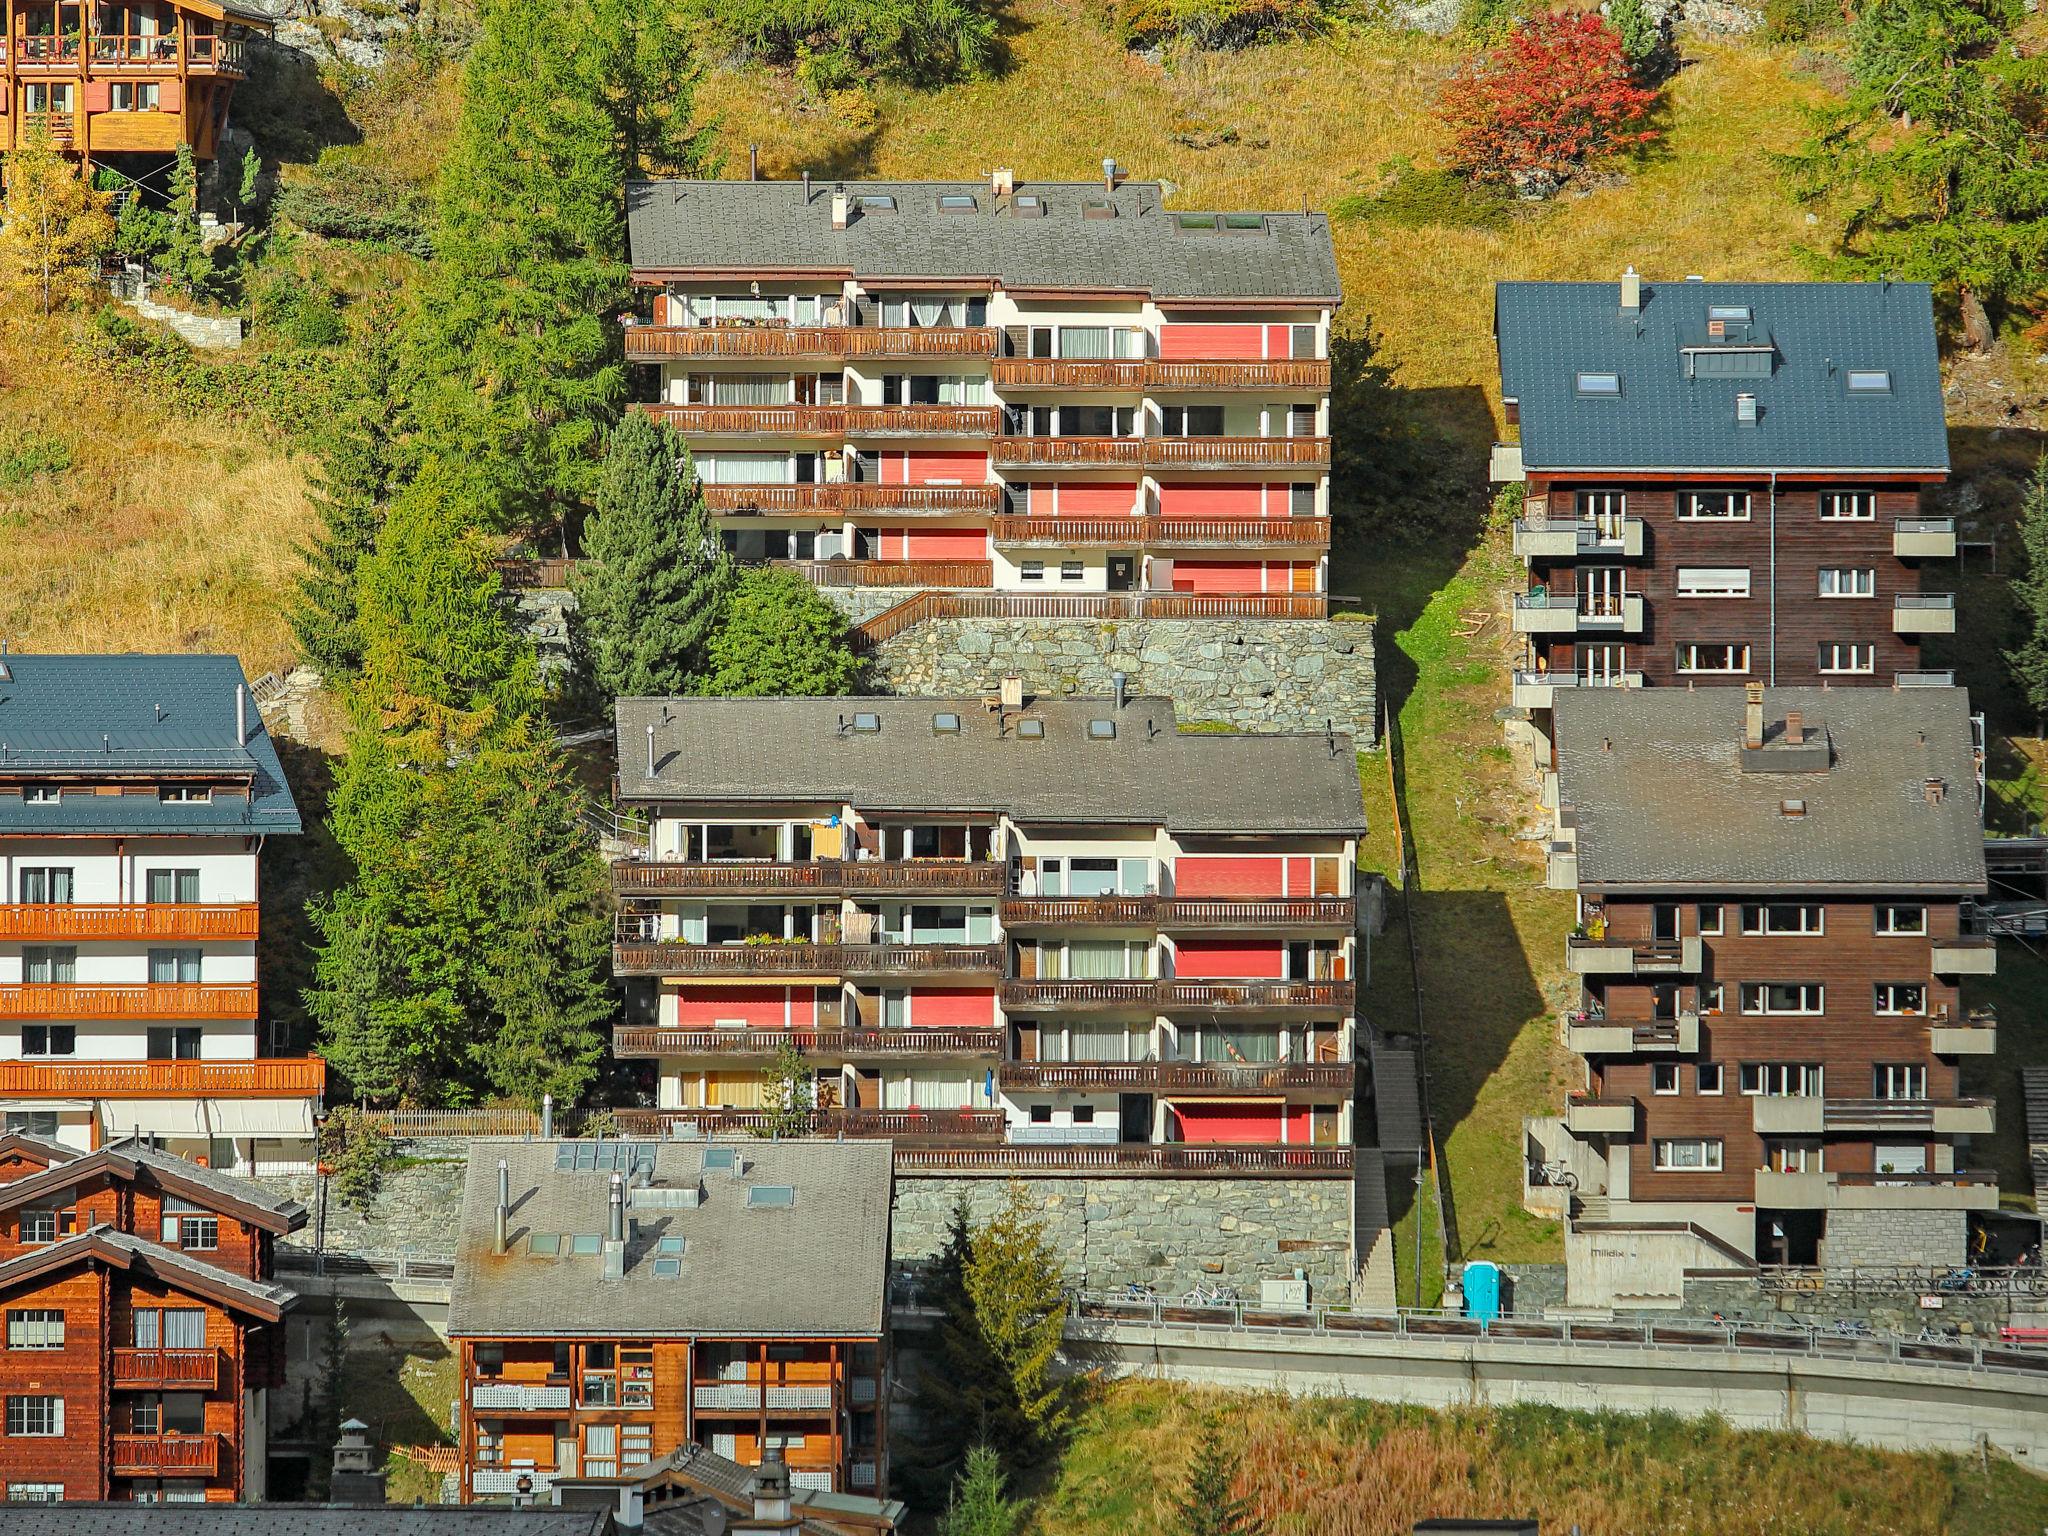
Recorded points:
839,208
1753,715
1631,294
1795,728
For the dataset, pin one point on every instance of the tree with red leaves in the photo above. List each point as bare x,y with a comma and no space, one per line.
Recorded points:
1558,95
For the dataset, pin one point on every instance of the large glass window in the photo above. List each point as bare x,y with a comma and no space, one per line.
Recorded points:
49,964
46,884
35,1416
174,885
174,965
35,1328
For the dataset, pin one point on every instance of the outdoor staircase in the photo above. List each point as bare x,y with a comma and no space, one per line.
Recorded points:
1397,1101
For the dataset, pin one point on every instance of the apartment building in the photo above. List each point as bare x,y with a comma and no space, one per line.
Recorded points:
1026,391
125,83
1773,956
144,1331
1724,483
1005,931
615,1300
137,794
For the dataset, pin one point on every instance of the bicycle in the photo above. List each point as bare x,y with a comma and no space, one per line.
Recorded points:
1557,1175
1210,1296
1138,1290
1957,1280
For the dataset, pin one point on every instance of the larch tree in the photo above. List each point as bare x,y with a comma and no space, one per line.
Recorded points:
655,583
55,224
1018,1303
978,1505
2028,661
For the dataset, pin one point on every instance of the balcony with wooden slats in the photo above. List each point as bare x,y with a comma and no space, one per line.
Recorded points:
174,1370
166,1455
659,343
1165,532
1068,452
1180,1077
1015,374
897,1124
80,922
1182,453
808,421
143,1000
825,878
1175,375
888,1044
965,574
1174,912
1174,994
637,953
847,496
288,1077
923,420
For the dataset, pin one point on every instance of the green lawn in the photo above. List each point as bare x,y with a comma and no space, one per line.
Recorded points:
403,1389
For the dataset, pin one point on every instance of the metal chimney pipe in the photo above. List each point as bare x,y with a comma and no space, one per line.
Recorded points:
650,751
1119,680
547,1117
241,717
504,1204
616,1230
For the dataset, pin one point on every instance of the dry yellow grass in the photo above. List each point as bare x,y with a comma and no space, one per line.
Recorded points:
163,534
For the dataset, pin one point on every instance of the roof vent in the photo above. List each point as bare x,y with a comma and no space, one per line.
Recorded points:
1934,791
1002,181
839,208
1793,809
1013,692
1753,715
1631,294
1031,730
1745,410
1111,173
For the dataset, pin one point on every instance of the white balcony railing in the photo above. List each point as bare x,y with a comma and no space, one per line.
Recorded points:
488,1394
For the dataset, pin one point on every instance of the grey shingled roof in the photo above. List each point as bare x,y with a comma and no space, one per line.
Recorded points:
763,226
296,1520
68,1166
65,715
817,1267
794,751
728,1484
1653,778
1549,333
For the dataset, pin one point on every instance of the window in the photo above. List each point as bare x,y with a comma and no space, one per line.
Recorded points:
1760,920
957,202
49,964
1713,657
1664,1077
1710,921
37,1416
1901,998
35,1493
1780,1080
1070,570
1726,312
46,1226
172,1042
1191,421
1084,1114
1714,507
49,1040
133,96
865,723
1898,1082
186,1226
185,794
40,886
1713,581
1031,730
56,99
1031,570
1707,1078
1902,920
875,202
1847,581
1703,1156
1869,381
1601,506
179,886
1599,385
169,1328
1848,506
1041,1114
1027,205
946,724
1783,997
1792,1157
168,966
1102,730
42,794
35,1328
1842,658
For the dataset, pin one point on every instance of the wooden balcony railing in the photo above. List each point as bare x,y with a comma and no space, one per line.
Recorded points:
923,420
191,1370
166,1455
825,421
894,573
1179,1076
1305,373
819,877
151,1000
1057,451
1216,1161
1235,452
1016,373
549,571
899,1124
134,920
1180,912
1173,993
845,496
672,959
262,1077
652,343
816,1042
60,127
1081,994
1183,532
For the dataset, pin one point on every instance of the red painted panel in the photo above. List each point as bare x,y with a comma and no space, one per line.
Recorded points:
952,1007
760,1007
890,462
1301,877
1299,1132
170,96
1279,341
927,466
1210,1123
99,95
1229,957
1210,341
1094,500
1226,877
1220,576
1230,498
945,544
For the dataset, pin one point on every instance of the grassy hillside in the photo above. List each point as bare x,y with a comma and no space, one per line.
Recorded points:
1334,1467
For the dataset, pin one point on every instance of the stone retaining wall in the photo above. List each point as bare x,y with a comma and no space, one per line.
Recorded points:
1859,1239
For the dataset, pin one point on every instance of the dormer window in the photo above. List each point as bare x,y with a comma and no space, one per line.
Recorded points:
1869,381
1098,208
957,202
184,794
1599,385
41,794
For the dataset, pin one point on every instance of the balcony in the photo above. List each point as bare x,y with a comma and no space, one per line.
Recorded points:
1793,1191
1182,453
1587,1114
1942,1117
1536,613
1597,1035
897,1124
1924,613
821,878
1181,995
1167,376
886,1043
1968,956
923,420
1538,690
1924,538
1133,994
1013,375
143,1000
515,1480
1975,1035
1561,867
1169,912
1623,957
637,955
1180,1077
1924,679
746,1397
926,574
1544,538
264,1077
176,1370
827,422
166,1455
657,343
836,497
1788,1115
1504,464
1166,532
517,1397
1067,452
1880,1191
78,923
1137,1158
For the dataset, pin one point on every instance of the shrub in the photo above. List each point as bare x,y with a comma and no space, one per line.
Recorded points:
1214,23
357,1155
1421,199
833,43
1795,21
1556,97
292,391
25,454
300,313
349,200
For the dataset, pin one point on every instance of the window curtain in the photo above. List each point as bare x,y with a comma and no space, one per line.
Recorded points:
927,312
184,1328
1096,959
744,469
1085,342
749,389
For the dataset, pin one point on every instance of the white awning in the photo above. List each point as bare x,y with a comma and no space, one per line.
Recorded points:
32,1106
290,1118
163,1117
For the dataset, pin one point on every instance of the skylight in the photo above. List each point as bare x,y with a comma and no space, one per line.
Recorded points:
1028,206
1031,730
772,1195
945,724
1735,312
867,724
721,1157
1102,730
957,202
1870,381
877,202
1098,208
1599,384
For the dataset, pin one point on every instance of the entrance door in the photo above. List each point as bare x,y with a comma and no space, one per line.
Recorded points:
1664,924
1134,1117
1123,572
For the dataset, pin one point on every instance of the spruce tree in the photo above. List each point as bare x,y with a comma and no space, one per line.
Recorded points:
955,1389
1018,1308
778,638
977,1506
2028,662
53,225
656,580
1211,1506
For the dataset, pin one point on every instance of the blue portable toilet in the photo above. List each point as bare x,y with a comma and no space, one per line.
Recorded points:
1482,1290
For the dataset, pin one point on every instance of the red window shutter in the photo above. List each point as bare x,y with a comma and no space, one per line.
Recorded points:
98,95
170,96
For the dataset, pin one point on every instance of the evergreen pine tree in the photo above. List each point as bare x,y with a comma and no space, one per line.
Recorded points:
2028,662
977,1506
657,578
1211,1506
953,1390
1018,1306
778,637
53,225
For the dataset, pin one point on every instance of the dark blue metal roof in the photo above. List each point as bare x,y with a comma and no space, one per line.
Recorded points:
1673,404
136,717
